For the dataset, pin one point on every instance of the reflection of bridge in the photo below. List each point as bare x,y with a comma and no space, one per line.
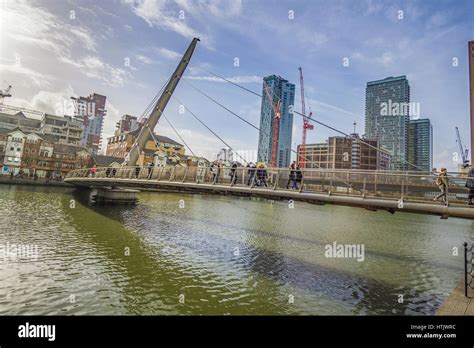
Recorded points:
374,190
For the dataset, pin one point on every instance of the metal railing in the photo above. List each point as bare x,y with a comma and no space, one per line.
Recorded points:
391,184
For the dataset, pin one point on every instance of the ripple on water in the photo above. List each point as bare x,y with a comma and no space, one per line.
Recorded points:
219,255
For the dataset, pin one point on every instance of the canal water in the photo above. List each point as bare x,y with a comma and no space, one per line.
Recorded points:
202,255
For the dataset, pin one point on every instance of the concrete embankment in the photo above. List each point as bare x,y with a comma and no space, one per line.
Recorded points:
16,181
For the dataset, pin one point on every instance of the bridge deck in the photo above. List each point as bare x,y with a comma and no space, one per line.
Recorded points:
391,204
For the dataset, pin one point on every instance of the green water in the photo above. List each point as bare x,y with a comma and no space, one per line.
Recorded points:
192,254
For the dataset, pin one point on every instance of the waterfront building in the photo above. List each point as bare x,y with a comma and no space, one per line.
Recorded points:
91,111
65,129
387,114
420,145
282,90
128,123
106,161
62,129
38,154
120,145
346,153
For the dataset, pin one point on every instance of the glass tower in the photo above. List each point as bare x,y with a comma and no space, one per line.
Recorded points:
420,145
387,114
279,89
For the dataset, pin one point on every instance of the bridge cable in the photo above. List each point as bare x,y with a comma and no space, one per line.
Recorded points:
215,134
145,112
180,137
241,118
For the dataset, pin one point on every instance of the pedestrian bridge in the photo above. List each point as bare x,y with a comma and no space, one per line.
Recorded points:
391,191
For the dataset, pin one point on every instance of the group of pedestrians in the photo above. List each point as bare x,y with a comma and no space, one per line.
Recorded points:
257,175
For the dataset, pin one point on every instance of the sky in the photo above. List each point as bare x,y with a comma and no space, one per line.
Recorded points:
51,50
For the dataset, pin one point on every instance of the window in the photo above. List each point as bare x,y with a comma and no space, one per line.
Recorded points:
12,148
18,149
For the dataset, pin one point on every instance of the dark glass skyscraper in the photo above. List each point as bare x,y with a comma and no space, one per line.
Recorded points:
387,113
420,145
280,89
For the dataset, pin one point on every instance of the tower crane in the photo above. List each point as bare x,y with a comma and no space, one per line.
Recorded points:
277,115
306,124
464,152
5,93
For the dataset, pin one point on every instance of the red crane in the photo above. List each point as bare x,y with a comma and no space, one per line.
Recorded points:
306,124
277,114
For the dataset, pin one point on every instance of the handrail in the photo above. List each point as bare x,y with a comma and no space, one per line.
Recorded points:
468,269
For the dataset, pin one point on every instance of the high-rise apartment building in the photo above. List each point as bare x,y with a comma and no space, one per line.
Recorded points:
420,145
280,89
91,110
387,114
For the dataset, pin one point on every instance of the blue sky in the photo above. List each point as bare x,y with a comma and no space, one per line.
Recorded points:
55,53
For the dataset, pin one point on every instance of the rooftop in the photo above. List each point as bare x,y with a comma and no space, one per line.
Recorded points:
387,79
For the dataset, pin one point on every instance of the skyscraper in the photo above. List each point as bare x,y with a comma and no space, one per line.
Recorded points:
471,93
91,110
280,89
387,113
420,145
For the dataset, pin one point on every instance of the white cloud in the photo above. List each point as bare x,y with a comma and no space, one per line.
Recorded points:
94,68
27,23
56,103
325,106
144,59
169,54
166,15
84,36
37,78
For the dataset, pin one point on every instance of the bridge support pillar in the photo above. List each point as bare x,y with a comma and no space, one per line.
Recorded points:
115,196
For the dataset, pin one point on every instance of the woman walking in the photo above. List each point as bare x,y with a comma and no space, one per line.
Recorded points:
442,182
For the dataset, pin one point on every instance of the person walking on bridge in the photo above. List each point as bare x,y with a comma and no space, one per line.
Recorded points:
470,185
93,170
233,173
299,177
262,175
442,183
292,176
137,171
150,170
251,173
213,171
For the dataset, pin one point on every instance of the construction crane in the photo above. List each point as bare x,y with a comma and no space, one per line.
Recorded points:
277,115
464,152
5,93
306,124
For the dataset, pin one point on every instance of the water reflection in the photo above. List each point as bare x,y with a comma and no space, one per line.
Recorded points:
220,255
